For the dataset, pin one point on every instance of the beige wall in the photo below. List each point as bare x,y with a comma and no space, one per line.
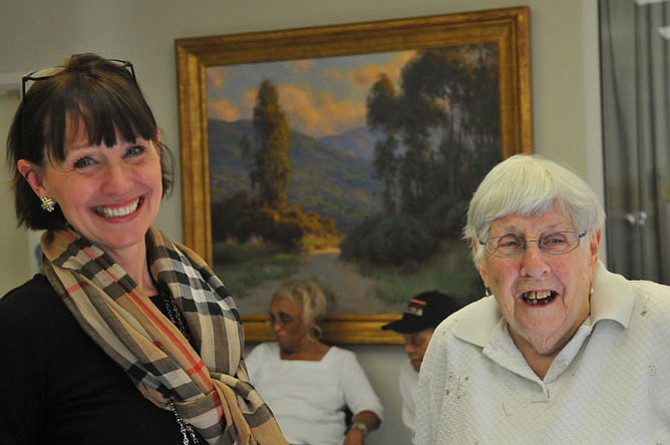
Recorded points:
34,33
14,260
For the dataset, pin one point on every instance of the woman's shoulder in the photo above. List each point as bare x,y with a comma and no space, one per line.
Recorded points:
34,317
268,346
36,291
34,305
340,355
263,351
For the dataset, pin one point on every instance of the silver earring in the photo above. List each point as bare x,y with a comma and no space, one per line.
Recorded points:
47,204
316,334
487,292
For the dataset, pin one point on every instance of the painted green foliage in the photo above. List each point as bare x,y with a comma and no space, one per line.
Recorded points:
439,130
272,165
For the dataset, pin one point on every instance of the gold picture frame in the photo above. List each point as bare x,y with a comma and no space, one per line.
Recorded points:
507,29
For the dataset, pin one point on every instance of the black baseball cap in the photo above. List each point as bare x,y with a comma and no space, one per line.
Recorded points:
424,311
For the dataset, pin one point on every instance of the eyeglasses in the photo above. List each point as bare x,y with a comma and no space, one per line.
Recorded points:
47,73
283,319
511,245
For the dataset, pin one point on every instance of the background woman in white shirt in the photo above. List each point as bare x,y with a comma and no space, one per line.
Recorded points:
308,384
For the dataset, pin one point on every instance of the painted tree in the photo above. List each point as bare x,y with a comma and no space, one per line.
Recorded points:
439,130
272,171
382,103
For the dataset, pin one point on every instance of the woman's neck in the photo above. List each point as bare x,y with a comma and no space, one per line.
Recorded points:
312,350
134,261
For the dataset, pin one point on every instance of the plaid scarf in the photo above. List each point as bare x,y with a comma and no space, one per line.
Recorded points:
210,389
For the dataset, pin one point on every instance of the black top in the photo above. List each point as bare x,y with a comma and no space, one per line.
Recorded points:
58,387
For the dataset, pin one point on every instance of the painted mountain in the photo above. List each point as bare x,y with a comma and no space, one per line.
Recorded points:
331,176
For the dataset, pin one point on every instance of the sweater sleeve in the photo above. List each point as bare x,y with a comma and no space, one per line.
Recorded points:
359,394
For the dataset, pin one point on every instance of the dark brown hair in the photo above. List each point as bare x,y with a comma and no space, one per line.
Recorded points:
100,94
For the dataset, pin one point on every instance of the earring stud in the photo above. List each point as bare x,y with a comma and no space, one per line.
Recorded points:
47,204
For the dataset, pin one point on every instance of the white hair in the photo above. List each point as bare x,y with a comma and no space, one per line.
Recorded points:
530,184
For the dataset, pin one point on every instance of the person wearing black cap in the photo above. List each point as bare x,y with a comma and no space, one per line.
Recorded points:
422,315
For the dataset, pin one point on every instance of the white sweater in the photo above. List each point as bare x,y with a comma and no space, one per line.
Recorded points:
609,385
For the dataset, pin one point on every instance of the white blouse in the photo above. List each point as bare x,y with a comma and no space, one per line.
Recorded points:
308,397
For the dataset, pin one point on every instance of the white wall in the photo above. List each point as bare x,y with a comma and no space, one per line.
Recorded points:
35,33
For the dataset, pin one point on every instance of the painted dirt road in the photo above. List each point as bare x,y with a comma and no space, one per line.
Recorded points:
349,292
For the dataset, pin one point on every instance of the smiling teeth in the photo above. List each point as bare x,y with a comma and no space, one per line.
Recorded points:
118,211
537,295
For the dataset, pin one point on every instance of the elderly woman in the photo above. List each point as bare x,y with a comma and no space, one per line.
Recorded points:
125,337
308,384
563,351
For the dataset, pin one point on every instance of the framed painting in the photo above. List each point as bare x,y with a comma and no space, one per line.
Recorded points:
347,155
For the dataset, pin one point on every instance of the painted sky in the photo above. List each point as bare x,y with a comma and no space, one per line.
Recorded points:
321,97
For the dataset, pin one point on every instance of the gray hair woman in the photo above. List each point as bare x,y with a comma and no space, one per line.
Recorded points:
311,299
562,350
308,384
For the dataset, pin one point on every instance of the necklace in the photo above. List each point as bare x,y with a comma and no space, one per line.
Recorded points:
176,318
185,428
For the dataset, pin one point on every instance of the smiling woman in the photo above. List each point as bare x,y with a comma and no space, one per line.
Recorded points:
543,296
558,336
110,193
122,328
